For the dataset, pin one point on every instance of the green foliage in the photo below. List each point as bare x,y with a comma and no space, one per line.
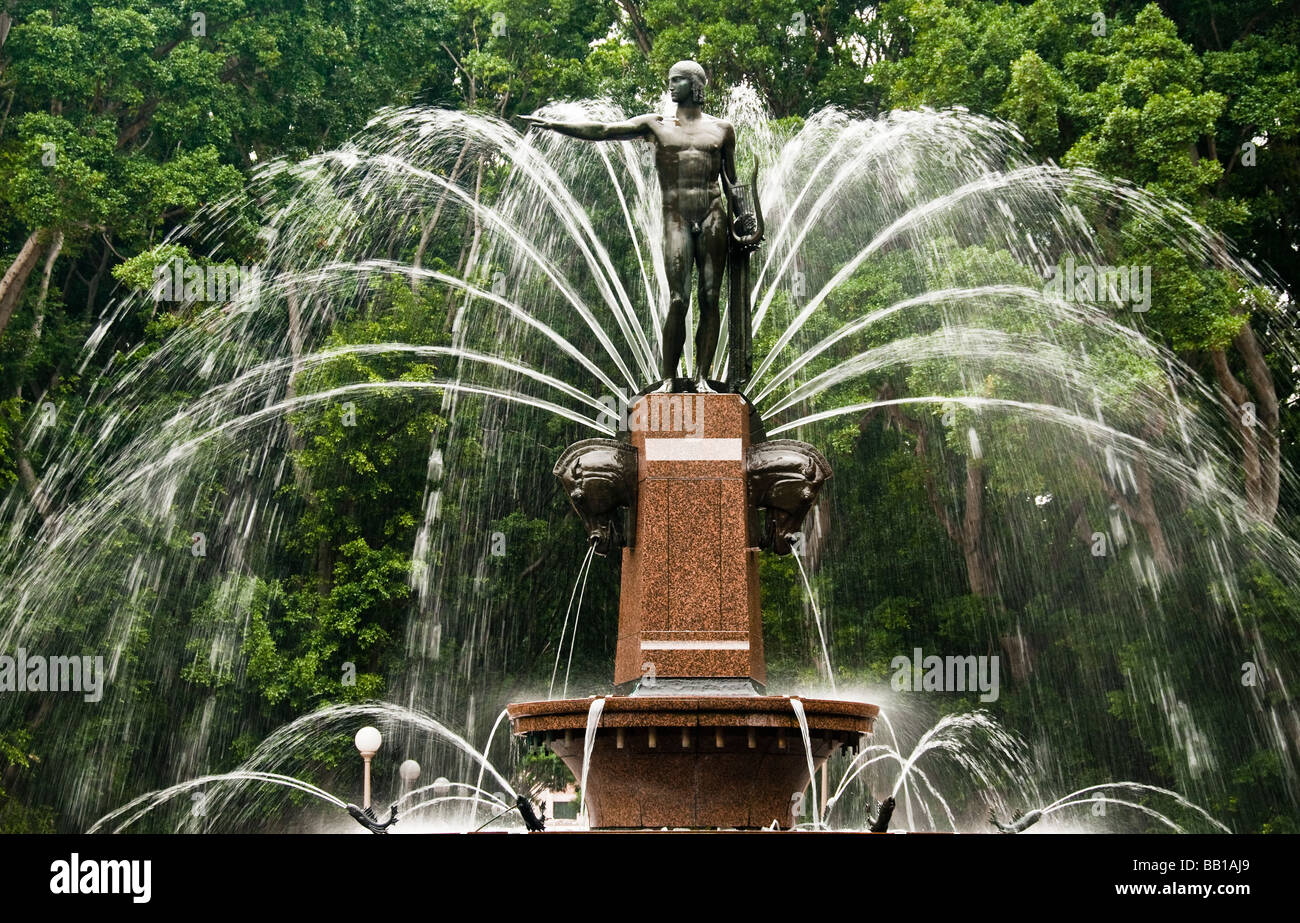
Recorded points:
326,632
16,817
541,769
10,421
122,121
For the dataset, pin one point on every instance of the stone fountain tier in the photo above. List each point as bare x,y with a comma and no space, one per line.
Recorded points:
693,761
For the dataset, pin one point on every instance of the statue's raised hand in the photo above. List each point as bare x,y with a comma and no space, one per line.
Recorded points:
539,121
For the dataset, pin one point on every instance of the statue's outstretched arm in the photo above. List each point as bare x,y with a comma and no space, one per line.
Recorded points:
638,127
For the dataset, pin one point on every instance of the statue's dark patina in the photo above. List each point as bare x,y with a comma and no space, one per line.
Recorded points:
709,228
695,161
599,478
785,477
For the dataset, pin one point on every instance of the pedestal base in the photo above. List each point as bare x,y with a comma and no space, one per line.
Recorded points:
689,597
694,761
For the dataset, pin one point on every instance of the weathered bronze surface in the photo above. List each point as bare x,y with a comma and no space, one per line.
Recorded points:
695,162
746,235
599,478
785,477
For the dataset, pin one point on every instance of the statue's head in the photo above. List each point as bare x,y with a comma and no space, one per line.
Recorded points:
686,82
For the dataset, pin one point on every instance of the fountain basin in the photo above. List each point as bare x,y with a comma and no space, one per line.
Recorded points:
693,761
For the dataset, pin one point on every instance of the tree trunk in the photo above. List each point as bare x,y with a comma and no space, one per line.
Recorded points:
1256,426
427,231
92,288
979,564
15,277
1020,652
968,535
142,119
31,484
637,22
1266,416
1147,517
1141,510
467,259
56,245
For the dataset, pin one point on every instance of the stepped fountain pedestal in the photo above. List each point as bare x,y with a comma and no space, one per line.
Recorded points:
690,739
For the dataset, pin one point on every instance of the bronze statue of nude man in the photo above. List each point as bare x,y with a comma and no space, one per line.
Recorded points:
693,151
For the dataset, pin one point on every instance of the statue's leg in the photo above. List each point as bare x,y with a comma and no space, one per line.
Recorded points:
677,267
711,258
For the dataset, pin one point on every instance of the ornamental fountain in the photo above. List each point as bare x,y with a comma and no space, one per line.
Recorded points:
902,268
690,739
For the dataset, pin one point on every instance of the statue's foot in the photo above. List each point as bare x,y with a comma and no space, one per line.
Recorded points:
665,388
702,386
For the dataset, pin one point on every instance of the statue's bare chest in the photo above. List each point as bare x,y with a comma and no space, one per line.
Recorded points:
686,138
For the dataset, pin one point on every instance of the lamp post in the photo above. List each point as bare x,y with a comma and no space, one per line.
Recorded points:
368,741
409,772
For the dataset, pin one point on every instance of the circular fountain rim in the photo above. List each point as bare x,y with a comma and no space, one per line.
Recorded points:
773,711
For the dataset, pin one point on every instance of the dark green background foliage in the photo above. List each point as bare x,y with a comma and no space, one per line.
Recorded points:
150,119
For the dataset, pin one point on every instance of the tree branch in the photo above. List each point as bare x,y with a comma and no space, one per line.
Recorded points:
1267,418
15,277
142,118
637,21
1235,396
